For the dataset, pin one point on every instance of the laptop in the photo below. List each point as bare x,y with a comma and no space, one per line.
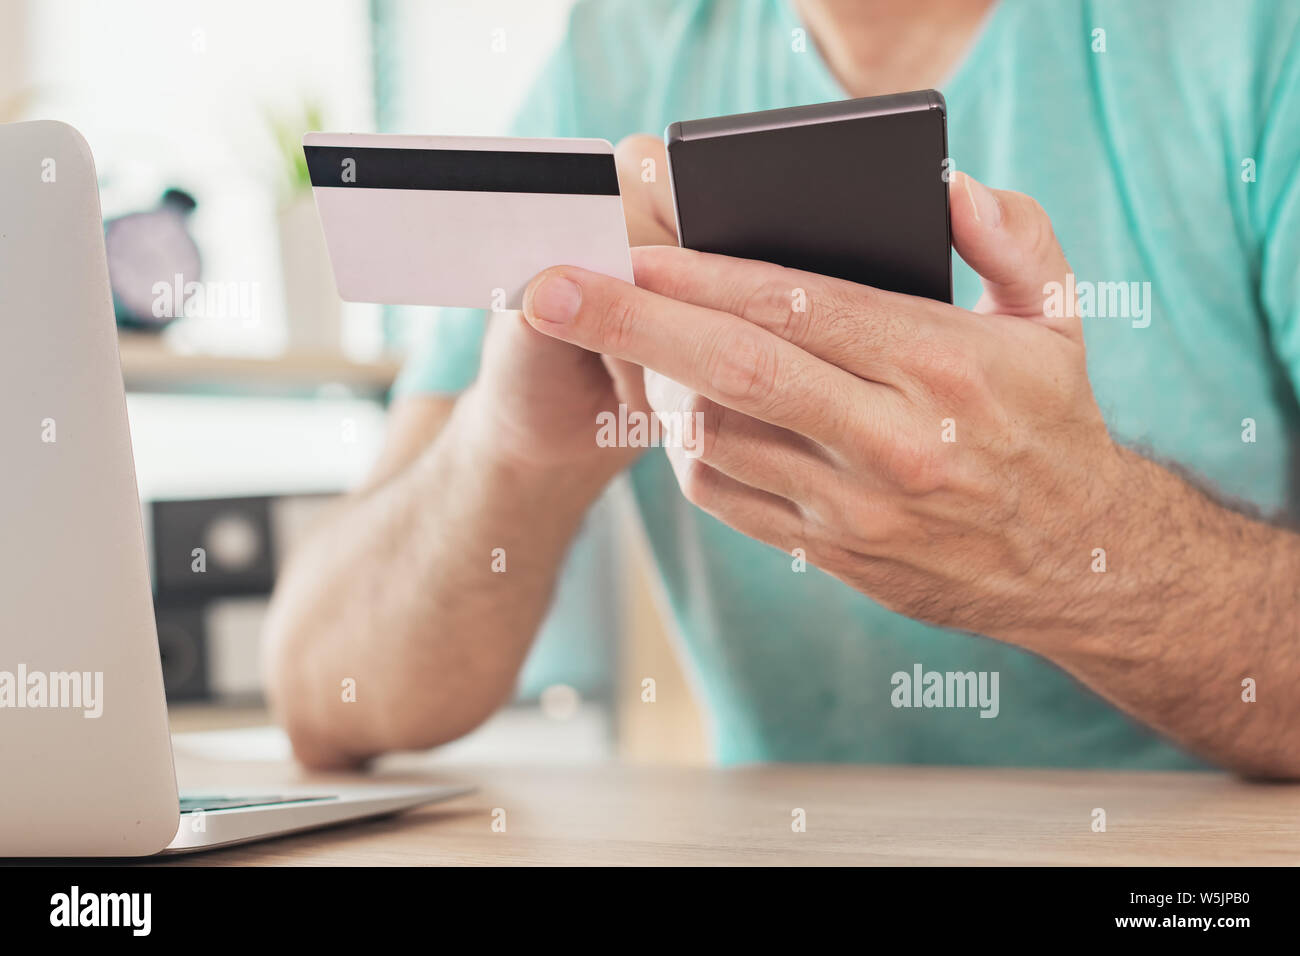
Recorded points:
85,751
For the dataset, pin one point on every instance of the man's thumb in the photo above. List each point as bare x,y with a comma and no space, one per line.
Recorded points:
1007,238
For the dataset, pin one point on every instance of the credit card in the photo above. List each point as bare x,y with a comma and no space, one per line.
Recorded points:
463,220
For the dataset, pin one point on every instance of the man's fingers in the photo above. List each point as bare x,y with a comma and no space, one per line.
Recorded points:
642,164
718,355
629,382
1007,238
760,455
751,511
869,332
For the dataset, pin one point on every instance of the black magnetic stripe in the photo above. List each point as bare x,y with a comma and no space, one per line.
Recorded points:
473,170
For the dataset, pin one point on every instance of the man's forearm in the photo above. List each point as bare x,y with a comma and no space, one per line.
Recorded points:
1195,624
405,593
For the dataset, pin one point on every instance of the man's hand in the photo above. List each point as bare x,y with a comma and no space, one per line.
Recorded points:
953,465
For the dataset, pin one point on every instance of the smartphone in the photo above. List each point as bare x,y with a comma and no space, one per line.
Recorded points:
856,189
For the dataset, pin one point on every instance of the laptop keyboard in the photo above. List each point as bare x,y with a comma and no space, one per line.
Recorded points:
192,804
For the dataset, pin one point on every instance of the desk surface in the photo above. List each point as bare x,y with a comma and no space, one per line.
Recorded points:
618,814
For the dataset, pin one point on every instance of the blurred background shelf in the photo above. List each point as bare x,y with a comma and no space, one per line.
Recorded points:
148,364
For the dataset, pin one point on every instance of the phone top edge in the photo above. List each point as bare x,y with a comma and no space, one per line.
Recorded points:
793,116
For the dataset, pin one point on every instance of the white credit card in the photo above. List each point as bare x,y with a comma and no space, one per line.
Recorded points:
463,220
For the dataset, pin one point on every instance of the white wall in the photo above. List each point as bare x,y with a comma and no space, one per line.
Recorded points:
455,82
176,92
196,446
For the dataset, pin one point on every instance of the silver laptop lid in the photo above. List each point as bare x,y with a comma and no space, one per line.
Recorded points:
85,755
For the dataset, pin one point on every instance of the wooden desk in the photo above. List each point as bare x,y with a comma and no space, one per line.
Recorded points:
615,814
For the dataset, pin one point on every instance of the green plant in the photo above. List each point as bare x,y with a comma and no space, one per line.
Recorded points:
286,131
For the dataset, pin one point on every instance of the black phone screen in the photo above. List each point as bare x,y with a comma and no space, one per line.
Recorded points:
855,190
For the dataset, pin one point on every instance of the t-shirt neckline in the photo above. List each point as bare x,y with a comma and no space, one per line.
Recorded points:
961,75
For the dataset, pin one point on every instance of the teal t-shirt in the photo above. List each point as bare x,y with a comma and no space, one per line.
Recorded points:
1164,141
